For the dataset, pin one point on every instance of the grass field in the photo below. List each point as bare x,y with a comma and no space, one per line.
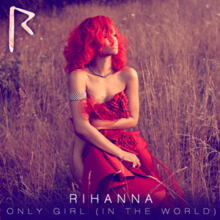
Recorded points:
174,47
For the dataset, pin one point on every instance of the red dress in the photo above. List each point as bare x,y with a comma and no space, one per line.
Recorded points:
107,176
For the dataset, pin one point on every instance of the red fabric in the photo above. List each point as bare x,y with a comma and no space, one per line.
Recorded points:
106,174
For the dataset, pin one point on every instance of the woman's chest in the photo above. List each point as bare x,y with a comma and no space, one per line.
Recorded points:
103,89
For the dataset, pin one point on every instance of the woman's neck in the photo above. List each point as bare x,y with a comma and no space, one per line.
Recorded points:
102,64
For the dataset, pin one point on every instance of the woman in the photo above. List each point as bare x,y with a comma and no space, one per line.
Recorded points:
107,160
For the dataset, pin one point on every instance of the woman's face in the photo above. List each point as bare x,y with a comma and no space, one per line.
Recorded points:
107,49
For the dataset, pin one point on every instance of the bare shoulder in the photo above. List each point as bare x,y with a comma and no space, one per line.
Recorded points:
77,81
77,74
128,73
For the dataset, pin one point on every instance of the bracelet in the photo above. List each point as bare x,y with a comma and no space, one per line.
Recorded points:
77,96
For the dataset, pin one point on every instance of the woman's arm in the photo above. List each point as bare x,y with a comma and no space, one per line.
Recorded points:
85,130
122,123
131,78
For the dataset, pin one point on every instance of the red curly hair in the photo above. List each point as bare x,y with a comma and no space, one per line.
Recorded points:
88,38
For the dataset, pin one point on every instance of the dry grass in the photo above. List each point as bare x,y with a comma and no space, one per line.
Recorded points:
175,47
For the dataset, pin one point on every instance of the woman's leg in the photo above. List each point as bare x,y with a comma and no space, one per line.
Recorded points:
76,160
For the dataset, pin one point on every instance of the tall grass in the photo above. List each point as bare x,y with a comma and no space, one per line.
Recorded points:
175,48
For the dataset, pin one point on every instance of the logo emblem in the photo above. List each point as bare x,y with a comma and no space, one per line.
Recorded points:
23,24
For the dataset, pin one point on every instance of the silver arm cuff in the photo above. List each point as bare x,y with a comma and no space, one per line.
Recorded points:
77,96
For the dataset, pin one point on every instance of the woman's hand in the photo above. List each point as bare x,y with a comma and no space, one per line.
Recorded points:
131,158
